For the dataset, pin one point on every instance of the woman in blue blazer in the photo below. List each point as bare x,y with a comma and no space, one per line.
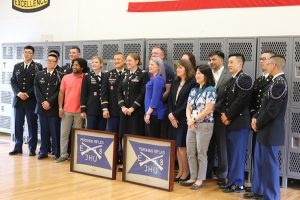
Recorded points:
154,107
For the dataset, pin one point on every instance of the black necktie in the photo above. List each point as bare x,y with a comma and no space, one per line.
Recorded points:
99,77
120,73
49,74
26,67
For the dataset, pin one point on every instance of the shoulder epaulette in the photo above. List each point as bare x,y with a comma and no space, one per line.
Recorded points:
244,82
278,89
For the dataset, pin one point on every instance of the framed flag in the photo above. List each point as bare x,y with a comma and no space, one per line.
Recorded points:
149,161
94,153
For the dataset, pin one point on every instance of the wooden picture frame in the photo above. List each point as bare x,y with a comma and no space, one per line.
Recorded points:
94,153
149,161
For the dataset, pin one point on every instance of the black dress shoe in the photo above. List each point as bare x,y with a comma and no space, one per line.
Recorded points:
223,186
41,157
248,189
233,188
251,195
176,179
32,153
221,181
14,152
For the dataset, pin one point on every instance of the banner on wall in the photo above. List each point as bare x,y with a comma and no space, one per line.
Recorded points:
29,6
184,5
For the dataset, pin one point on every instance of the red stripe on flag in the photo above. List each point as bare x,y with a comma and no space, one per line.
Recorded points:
180,5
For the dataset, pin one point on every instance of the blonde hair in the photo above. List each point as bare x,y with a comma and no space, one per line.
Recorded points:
98,58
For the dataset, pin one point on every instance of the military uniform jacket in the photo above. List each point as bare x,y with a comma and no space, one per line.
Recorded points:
66,69
236,101
22,81
46,88
260,88
109,95
90,101
131,91
270,117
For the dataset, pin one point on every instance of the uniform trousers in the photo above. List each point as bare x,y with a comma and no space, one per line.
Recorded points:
31,118
96,122
50,126
266,171
113,126
236,149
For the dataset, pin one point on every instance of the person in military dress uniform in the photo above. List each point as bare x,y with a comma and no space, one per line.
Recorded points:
269,122
24,101
235,115
46,88
109,97
74,52
57,67
260,86
90,101
131,95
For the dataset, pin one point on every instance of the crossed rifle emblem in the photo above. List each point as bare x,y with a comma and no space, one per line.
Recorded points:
153,160
93,149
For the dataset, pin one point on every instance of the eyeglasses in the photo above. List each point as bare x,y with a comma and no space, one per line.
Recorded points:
51,61
263,58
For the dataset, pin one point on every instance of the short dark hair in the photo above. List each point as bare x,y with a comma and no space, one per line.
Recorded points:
207,72
159,47
76,47
54,52
192,58
82,63
53,55
239,56
278,56
120,53
29,47
269,51
217,53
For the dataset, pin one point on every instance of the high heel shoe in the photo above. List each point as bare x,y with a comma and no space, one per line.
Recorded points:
184,179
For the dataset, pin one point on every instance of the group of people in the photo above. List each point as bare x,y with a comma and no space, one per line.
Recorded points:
203,108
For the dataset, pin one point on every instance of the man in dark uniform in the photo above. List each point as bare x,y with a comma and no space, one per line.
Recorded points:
58,68
46,88
218,140
260,86
24,100
110,107
236,117
74,52
269,122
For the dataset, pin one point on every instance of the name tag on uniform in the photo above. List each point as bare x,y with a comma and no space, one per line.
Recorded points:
95,93
135,79
93,81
